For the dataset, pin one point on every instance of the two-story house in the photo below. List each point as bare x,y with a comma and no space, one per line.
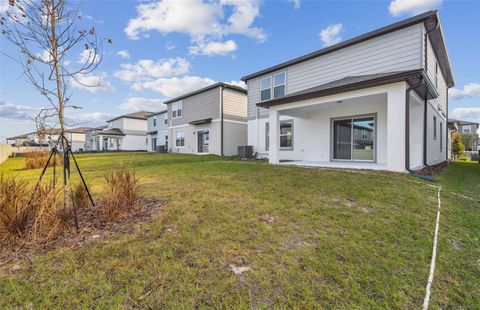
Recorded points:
470,134
211,120
157,132
376,101
123,133
76,138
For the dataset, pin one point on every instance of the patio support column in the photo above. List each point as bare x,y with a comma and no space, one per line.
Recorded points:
396,127
274,136
100,143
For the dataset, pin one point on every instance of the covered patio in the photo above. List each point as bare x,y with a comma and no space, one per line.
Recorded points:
362,128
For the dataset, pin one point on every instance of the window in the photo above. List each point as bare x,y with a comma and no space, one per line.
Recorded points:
279,85
165,118
177,109
286,135
441,137
266,88
436,75
146,141
434,128
180,139
154,121
267,136
354,139
466,130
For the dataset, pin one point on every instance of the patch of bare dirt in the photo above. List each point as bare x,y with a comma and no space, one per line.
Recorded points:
92,228
433,170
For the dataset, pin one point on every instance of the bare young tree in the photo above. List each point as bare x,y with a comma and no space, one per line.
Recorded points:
46,33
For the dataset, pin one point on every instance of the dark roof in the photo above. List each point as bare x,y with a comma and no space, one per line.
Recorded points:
25,136
135,115
156,113
351,83
431,21
112,131
460,122
79,130
201,90
201,121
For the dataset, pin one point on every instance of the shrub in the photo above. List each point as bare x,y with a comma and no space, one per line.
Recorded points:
38,159
122,192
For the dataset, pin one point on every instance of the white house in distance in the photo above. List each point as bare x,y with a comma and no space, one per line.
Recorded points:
211,120
157,132
376,101
76,138
123,133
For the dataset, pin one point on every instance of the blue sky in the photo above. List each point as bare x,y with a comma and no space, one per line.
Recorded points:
155,56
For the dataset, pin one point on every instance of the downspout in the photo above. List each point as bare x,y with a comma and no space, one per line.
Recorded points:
407,123
425,109
221,120
447,143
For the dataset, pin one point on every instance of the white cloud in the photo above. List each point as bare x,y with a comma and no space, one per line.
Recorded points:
469,90
296,4
170,45
146,69
142,104
45,56
213,48
175,86
92,82
331,34
87,56
203,21
22,112
88,117
238,83
412,7
472,114
123,54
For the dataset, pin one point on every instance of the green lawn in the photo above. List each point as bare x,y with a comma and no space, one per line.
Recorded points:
312,238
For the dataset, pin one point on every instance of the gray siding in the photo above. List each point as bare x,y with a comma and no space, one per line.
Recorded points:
234,104
396,51
441,101
200,106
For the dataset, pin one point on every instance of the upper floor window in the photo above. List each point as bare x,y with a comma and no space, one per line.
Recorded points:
165,118
266,88
279,85
434,128
154,122
466,130
436,75
177,109
273,86
110,124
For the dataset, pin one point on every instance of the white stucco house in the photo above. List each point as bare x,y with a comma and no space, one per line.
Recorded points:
76,138
376,101
211,120
157,131
123,133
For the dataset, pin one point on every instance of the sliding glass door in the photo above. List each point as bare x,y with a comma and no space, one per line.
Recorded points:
354,139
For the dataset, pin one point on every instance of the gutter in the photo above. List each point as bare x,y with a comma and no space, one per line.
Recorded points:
425,109
407,123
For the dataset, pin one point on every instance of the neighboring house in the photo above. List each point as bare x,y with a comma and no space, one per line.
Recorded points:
76,138
46,137
91,143
123,133
470,129
21,140
157,132
452,128
211,120
376,101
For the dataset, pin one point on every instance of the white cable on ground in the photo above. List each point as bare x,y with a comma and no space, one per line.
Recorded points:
426,300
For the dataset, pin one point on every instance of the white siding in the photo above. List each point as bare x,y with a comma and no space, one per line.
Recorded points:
395,51
200,106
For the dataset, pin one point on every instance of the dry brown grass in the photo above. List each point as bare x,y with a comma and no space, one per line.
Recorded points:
26,218
79,196
38,159
122,192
